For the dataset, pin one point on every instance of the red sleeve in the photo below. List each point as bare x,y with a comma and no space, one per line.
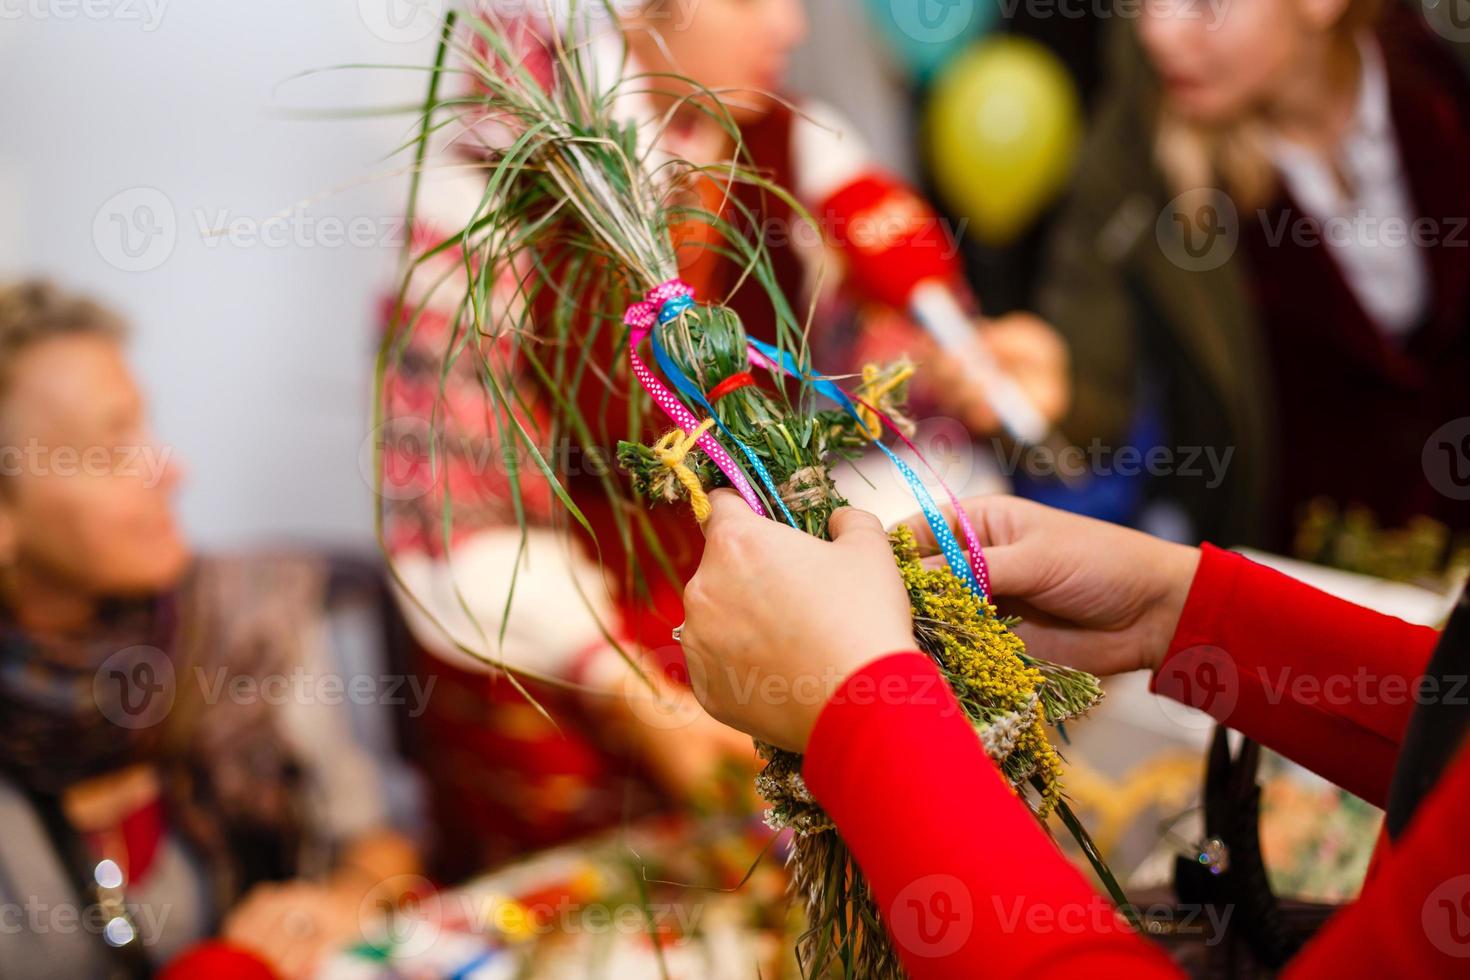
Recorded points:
1328,684
1413,918
967,881
218,960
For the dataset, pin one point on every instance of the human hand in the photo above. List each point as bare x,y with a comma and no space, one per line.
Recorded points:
695,758
1092,595
776,619
295,925
1028,350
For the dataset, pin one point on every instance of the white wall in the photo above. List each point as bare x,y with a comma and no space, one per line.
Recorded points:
131,116
846,64
257,356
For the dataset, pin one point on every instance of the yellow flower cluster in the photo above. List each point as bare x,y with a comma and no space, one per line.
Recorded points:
982,659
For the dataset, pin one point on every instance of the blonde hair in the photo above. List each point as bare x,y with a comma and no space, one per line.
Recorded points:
1234,156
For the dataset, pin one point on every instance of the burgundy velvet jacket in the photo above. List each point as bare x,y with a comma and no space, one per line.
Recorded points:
1262,354
1357,411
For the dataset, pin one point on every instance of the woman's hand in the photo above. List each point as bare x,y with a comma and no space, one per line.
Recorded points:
1026,348
776,619
1092,595
694,758
295,926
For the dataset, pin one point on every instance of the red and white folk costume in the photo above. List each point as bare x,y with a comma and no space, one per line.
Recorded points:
505,767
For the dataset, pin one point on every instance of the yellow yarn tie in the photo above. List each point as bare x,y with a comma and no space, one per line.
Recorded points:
872,391
671,451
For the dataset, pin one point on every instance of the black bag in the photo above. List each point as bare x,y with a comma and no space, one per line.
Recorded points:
1263,930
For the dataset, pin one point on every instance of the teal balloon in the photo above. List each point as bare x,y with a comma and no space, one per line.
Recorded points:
926,34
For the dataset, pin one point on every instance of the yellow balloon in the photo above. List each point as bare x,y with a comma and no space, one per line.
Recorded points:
1002,127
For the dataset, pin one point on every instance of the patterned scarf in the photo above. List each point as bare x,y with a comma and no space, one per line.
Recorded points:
151,682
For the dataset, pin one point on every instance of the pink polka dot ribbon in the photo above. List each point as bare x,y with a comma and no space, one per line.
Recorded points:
640,319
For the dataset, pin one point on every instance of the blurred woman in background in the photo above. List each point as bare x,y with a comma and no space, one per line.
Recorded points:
155,790
1266,249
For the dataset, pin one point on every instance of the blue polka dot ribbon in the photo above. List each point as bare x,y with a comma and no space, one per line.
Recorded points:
948,544
667,314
